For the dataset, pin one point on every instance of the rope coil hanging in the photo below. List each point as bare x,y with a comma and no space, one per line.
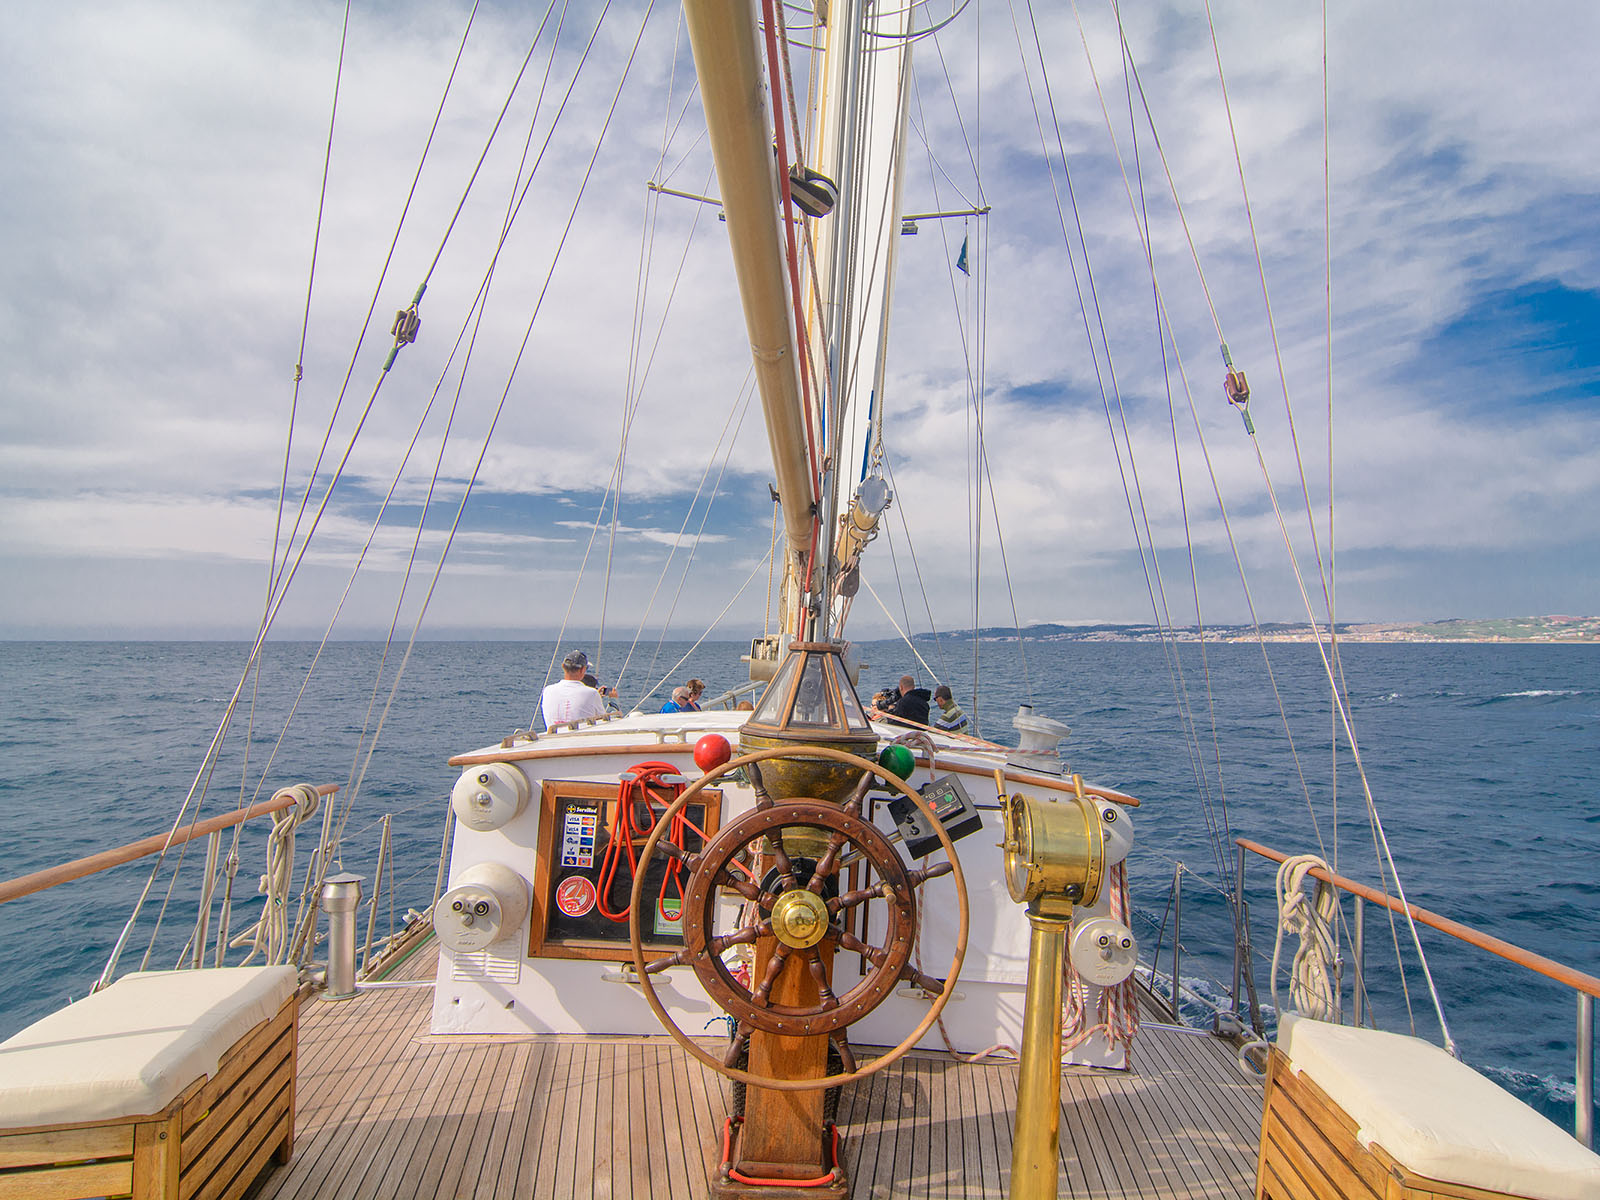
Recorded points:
270,935
1312,986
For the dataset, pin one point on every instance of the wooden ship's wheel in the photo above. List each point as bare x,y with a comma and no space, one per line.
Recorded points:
795,911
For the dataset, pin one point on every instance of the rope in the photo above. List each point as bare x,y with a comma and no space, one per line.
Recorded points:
673,670
1118,1010
1312,989
270,935
897,629
634,788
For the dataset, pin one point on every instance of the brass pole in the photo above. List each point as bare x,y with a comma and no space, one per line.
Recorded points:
1035,1172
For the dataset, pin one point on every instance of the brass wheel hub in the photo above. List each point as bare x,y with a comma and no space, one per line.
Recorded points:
800,919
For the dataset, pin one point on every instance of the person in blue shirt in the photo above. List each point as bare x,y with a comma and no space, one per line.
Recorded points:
680,701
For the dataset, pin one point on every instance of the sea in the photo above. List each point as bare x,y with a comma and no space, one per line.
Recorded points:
1483,761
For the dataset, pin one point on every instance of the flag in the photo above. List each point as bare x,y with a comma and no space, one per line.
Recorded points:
961,259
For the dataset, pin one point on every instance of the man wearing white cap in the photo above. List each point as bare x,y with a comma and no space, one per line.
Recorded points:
569,698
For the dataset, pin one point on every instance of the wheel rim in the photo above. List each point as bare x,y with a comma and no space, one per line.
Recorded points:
635,930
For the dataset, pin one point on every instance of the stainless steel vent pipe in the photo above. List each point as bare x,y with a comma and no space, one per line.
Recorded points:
341,897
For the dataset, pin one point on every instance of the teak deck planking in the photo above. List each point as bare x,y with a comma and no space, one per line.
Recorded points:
387,1110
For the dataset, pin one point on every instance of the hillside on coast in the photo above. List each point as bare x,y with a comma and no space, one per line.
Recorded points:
1553,629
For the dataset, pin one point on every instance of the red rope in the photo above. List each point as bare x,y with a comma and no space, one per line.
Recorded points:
633,786
820,1181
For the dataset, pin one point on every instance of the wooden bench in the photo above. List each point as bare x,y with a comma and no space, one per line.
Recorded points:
1355,1114
170,1084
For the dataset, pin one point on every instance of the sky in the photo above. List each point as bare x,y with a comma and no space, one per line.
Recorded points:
159,201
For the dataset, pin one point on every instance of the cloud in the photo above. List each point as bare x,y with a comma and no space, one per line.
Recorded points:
164,170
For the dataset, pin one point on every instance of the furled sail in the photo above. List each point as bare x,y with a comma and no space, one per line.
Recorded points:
860,143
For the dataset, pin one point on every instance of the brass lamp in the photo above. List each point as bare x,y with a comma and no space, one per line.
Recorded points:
810,702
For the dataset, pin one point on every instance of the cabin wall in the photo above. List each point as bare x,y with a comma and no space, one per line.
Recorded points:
503,991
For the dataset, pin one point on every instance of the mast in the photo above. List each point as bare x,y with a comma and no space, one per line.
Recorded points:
728,62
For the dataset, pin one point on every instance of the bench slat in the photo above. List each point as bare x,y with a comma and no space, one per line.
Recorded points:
248,1050
269,1118
233,1091
65,1145
76,1181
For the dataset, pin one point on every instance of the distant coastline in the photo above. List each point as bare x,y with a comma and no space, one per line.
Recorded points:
1546,630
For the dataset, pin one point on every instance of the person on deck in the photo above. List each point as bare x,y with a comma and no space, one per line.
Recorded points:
680,702
696,688
950,717
910,705
569,698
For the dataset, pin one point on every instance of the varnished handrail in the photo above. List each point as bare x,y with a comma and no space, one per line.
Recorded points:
38,881
1548,967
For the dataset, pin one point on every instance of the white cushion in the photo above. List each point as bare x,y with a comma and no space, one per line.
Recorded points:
1437,1116
133,1048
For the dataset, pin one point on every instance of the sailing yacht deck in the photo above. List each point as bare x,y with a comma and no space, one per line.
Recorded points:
387,1110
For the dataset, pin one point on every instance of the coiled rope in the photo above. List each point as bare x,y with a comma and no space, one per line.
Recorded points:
1311,978
271,933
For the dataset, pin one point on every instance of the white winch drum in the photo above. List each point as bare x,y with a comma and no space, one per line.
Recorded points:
489,902
1103,951
489,796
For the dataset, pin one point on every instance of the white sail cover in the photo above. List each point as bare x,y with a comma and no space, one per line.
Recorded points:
860,145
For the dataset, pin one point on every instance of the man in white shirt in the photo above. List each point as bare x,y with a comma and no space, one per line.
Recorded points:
569,699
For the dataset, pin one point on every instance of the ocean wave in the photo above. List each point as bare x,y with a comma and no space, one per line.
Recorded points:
1532,694
1553,1098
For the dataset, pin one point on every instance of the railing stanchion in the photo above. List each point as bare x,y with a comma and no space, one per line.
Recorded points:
377,891
1358,984
1177,935
1583,1123
202,919
1238,926
444,855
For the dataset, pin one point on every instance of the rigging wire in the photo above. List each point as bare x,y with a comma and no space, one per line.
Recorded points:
904,636
741,404
1193,738
641,291
511,376
277,584
372,305
916,567
715,622
1131,488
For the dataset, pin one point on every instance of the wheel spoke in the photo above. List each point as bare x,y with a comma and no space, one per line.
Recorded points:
876,955
739,937
681,959
747,888
758,785
934,987
820,974
741,1039
781,857
828,864
847,1058
858,795
780,955
851,900
921,875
